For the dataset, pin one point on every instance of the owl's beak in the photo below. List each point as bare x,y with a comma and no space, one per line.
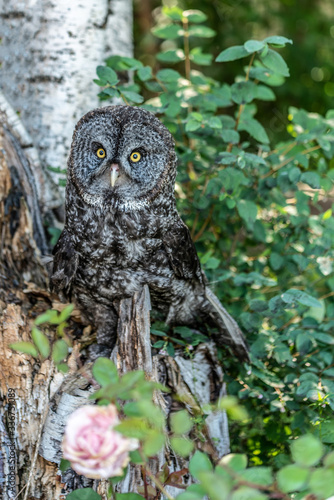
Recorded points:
114,173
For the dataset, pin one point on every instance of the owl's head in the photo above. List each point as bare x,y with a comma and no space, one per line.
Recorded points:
121,155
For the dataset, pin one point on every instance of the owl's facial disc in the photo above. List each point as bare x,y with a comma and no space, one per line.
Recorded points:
120,153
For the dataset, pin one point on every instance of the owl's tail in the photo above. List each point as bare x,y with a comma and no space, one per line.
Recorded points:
229,331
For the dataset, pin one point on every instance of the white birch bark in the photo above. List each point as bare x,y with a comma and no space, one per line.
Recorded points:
49,53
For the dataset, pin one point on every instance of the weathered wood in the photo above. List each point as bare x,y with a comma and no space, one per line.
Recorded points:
133,350
197,381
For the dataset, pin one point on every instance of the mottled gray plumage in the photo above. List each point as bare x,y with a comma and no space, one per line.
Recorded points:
117,239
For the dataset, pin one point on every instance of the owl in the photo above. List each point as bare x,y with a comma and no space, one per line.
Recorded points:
123,231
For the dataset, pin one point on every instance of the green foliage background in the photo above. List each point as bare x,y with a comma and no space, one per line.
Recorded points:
309,23
255,185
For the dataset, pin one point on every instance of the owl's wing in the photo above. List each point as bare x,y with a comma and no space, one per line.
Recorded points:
65,264
185,263
182,253
229,331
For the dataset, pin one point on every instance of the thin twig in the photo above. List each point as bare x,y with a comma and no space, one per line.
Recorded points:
143,468
241,107
287,160
186,47
154,479
194,225
206,222
158,484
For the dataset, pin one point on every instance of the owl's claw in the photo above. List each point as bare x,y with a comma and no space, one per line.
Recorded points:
114,174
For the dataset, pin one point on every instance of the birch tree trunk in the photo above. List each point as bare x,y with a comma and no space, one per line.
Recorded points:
49,53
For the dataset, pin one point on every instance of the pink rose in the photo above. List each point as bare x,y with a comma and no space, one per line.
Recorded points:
93,447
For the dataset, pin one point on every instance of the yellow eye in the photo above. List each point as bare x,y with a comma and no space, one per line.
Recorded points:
135,156
101,153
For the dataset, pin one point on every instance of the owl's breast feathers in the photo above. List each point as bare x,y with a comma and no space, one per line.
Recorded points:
110,256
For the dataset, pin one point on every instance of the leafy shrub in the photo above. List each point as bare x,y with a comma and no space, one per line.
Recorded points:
261,218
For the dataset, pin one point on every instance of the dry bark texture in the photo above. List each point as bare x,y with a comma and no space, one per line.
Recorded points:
49,53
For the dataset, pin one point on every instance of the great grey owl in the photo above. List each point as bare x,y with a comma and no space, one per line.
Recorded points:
123,231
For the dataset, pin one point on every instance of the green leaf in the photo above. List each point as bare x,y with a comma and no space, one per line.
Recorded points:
180,422
258,475
292,478
171,56
66,313
264,93
135,427
136,458
195,16
109,92
329,459
83,494
132,96
100,83
307,450
247,210
168,75
230,136
276,261
41,342
311,178
235,461
322,482
64,465
192,125
198,57
159,344
215,486
105,372
169,32
59,351
199,462
50,316
247,493
303,343
190,495
254,46
273,60
153,442
278,41
243,92
214,122
173,13
182,446
293,295
123,63
63,367
107,75
25,347
128,496
144,73
201,32
254,128
170,349
327,428
232,54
